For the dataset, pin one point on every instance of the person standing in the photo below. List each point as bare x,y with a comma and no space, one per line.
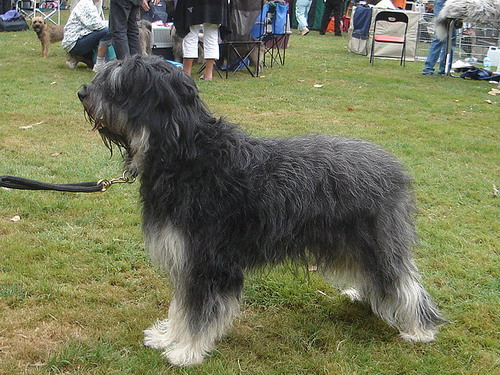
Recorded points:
302,8
192,15
123,26
334,6
437,50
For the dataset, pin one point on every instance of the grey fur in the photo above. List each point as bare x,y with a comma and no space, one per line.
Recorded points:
218,202
474,11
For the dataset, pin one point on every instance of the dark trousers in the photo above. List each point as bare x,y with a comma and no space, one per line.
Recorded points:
123,28
334,6
88,43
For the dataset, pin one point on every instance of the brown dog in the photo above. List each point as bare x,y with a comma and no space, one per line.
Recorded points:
47,33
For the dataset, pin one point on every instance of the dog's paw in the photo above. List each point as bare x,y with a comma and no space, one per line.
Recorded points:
158,336
418,335
184,355
353,295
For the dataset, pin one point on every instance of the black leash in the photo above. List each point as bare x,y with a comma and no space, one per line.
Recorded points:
13,182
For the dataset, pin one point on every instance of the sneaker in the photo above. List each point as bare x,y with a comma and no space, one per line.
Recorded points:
97,68
305,31
428,74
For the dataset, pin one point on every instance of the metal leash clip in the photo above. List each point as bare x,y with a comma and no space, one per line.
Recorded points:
126,178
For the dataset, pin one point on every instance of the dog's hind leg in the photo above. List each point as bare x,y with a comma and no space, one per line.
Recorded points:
393,287
380,272
205,303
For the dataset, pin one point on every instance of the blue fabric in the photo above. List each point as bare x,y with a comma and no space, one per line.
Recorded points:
279,21
10,15
361,22
258,28
110,54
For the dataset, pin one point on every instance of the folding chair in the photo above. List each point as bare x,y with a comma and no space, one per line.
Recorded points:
391,23
237,60
48,9
271,27
239,50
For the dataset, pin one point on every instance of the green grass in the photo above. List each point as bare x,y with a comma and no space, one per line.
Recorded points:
77,289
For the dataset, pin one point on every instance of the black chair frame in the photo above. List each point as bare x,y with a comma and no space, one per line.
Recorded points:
392,17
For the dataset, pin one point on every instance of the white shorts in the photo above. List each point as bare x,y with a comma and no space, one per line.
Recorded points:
210,42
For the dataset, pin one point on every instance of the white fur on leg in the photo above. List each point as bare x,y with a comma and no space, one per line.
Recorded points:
353,295
189,349
407,311
159,336
167,332
187,354
418,335
166,247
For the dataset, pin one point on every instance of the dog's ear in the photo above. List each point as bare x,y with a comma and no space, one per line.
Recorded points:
180,108
158,96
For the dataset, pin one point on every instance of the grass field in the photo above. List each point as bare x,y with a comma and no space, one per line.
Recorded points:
76,287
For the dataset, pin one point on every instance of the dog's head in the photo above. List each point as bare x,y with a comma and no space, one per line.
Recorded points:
37,23
143,100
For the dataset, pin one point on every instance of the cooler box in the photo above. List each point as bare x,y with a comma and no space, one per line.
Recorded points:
161,40
160,35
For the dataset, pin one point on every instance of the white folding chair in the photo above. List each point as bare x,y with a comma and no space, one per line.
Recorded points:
48,9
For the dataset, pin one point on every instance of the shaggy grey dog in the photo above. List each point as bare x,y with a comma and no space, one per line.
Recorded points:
218,202
474,11
145,31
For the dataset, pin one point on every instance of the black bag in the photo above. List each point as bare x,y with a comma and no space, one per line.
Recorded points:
16,24
156,12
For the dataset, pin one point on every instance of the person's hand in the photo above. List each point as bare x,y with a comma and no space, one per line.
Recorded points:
145,5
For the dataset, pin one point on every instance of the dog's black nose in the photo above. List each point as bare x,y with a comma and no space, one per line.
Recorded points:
82,93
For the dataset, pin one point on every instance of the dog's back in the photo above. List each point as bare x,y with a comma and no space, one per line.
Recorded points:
474,11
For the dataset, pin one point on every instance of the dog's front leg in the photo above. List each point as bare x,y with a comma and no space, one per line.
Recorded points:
45,47
205,302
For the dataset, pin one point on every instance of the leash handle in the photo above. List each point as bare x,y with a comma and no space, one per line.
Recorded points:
13,182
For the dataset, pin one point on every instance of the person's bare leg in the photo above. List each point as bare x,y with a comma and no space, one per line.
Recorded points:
187,65
209,69
101,58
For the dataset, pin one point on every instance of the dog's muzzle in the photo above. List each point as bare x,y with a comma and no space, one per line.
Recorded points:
82,93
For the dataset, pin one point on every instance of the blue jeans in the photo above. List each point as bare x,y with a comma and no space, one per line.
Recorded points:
437,50
89,42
